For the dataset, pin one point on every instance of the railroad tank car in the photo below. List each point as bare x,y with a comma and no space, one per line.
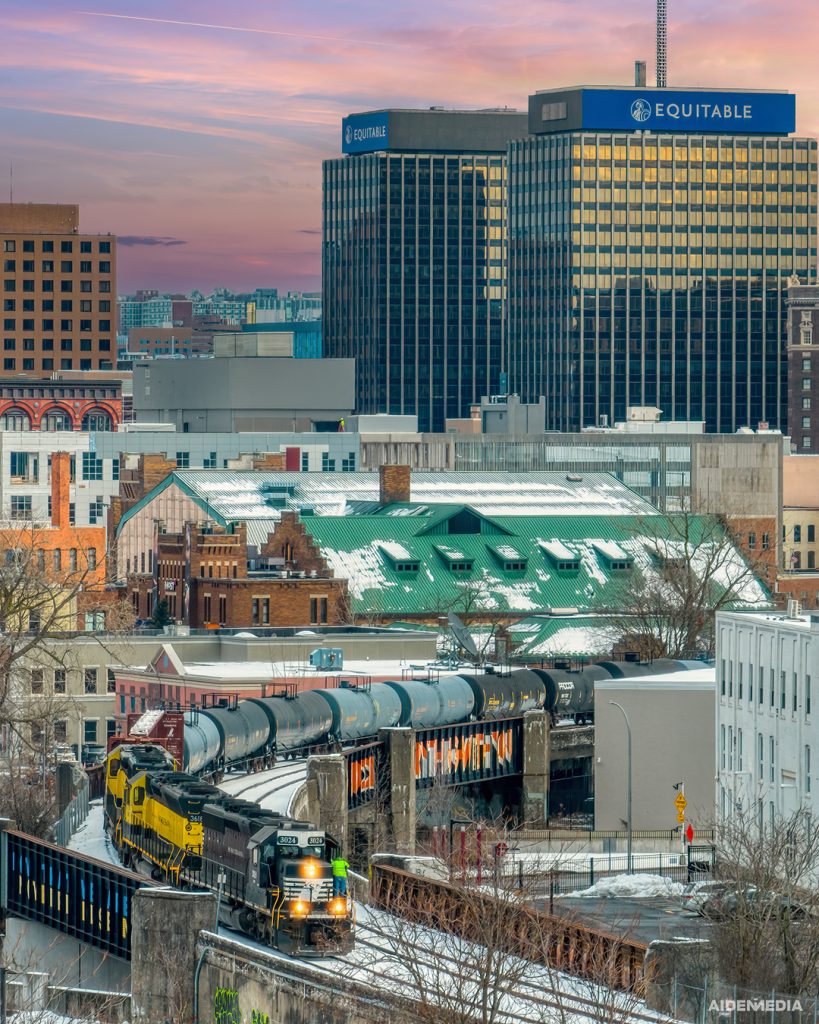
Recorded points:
202,741
497,696
565,693
661,666
457,700
296,721
420,702
626,669
243,730
355,713
387,705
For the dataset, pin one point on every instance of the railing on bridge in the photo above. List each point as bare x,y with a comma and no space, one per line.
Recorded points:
74,894
364,766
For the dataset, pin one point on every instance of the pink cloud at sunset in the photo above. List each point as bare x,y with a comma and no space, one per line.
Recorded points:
206,123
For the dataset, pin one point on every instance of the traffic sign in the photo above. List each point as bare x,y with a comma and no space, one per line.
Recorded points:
501,849
689,833
680,802
681,816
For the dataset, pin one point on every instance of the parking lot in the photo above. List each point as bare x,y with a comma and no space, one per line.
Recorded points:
642,919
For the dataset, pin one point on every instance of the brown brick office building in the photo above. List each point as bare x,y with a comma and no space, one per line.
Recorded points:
58,291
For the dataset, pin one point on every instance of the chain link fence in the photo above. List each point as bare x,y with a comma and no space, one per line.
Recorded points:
73,816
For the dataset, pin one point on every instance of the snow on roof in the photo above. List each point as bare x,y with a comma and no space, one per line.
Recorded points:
144,725
508,552
394,550
610,550
267,671
583,641
558,550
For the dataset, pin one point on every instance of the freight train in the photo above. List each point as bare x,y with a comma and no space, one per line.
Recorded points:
256,730
272,873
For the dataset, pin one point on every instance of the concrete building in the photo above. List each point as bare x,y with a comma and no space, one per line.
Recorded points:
502,414
803,366
766,731
672,734
149,342
414,258
59,291
651,233
254,393
145,309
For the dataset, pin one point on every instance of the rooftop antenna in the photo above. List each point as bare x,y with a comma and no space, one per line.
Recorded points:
661,44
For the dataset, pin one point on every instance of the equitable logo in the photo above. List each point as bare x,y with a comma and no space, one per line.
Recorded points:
641,110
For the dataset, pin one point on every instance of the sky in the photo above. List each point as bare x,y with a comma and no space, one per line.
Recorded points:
195,131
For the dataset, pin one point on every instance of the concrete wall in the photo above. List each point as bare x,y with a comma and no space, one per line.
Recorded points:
672,727
244,394
238,983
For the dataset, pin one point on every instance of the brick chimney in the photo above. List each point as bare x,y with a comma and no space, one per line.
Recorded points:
152,470
60,489
394,484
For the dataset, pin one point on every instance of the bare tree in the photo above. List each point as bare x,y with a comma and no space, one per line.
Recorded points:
765,932
667,606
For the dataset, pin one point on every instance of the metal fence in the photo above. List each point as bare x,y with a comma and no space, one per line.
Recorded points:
73,816
561,881
735,1005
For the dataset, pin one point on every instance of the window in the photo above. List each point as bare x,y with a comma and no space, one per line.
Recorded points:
183,460
112,681
25,467
807,769
90,680
91,466
806,383
807,695
72,560
751,541
723,676
766,541
811,559
773,695
261,611
85,247
772,768
318,610
206,607
105,246
222,609
305,462
21,506
85,267
806,403
61,731
58,559
9,245
66,246
811,533
209,461
782,691
95,513
89,731
59,680
37,680
761,688
797,534
94,622
328,465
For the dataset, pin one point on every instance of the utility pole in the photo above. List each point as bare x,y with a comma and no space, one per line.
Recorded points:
628,806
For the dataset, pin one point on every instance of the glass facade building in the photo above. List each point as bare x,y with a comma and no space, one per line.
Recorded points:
414,264
652,269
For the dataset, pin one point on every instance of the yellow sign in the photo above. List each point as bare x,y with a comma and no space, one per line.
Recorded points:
680,803
681,816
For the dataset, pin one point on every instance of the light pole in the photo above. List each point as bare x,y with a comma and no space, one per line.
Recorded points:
221,878
628,810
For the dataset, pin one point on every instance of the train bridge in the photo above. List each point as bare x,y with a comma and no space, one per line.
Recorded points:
74,894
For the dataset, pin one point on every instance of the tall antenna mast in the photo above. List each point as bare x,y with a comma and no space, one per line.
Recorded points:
661,44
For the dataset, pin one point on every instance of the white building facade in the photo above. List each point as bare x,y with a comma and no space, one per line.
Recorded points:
767,737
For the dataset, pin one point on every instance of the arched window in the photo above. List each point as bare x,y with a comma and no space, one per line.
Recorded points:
15,419
97,419
56,419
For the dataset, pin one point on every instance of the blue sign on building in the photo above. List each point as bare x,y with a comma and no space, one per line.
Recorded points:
672,110
365,133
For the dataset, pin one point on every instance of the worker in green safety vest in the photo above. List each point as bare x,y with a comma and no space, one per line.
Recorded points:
340,867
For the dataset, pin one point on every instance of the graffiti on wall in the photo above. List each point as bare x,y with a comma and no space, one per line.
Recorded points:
226,1009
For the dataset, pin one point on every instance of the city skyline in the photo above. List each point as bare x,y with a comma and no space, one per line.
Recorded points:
196,134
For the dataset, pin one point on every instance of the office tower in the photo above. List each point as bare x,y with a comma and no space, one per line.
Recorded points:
652,233
59,291
803,366
413,258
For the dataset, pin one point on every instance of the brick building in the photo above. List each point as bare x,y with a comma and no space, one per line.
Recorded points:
59,291
58,404
209,580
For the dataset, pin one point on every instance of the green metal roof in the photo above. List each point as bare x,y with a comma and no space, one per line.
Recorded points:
354,547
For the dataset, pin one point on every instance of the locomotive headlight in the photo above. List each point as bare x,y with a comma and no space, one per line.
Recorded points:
309,868
299,908
338,906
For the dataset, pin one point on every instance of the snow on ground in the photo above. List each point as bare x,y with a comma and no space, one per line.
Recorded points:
274,789
45,1017
91,839
640,886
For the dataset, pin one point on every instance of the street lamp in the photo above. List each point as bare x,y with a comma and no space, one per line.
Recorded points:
628,811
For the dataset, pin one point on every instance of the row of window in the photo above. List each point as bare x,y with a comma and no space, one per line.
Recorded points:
48,364
28,284
56,560
47,306
732,759
47,245
727,687
91,678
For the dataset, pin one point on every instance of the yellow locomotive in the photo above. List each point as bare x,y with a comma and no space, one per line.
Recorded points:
273,871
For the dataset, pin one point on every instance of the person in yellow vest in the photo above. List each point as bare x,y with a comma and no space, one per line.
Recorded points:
340,867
